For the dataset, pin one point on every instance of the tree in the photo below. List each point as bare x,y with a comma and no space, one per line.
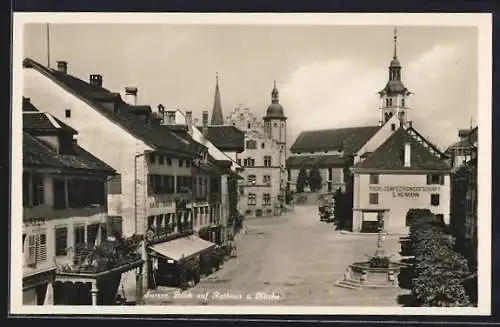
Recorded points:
315,180
301,180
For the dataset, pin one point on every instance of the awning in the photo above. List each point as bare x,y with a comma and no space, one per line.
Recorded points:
182,248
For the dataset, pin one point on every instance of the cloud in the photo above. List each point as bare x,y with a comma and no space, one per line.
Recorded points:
343,92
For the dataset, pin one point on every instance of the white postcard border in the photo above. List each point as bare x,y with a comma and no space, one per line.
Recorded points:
482,21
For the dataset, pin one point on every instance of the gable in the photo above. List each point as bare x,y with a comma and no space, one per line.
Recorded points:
133,119
390,155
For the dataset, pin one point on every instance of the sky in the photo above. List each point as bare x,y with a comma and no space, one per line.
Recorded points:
328,76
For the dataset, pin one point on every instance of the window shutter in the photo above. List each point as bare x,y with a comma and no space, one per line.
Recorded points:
31,260
41,247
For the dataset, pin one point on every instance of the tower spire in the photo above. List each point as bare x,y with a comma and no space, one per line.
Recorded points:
395,43
217,117
48,46
275,94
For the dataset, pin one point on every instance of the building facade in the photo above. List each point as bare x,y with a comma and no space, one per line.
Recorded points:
64,203
398,169
156,192
263,183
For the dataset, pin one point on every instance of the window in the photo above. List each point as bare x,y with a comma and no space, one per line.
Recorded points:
61,240
79,236
188,163
238,161
263,145
266,197
393,127
92,232
115,184
249,162
251,144
434,199
181,162
37,248
161,160
373,198
59,193
67,113
152,158
249,125
183,184
169,161
374,178
115,225
402,102
267,179
252,199
267,161
435,179
251,179
38,189
289,175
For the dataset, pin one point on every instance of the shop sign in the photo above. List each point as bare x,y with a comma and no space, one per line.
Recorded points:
403,191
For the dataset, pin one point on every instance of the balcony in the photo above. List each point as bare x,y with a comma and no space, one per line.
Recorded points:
157,203
45,210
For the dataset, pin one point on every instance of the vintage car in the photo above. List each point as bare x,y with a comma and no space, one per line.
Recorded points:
326,208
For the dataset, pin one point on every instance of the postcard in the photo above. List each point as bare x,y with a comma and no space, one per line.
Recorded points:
251,164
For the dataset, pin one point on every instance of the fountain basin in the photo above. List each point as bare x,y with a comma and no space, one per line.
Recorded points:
367,276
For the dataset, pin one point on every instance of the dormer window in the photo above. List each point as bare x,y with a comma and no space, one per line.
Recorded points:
67,113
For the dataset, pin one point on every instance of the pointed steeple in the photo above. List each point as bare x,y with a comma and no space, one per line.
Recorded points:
395,43
275,95
217,117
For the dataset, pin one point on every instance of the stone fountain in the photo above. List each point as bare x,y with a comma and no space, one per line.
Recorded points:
379,271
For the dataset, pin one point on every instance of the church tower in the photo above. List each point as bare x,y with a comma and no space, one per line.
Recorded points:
217,117
275,120
394,98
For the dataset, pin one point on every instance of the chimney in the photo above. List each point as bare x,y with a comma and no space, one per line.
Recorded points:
170,117
189,120
96,80
131,95
407,155
161,112
62,66
204,121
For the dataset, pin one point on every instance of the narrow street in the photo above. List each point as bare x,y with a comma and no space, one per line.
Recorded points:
292,260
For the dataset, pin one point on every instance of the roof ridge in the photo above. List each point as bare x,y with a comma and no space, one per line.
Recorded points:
122,120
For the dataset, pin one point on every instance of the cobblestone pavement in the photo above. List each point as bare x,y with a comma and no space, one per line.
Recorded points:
292,260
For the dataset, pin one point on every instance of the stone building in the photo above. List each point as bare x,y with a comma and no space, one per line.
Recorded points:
263,185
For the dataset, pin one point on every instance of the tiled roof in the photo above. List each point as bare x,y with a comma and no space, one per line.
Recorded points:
321,161
27,105
348,140
44,122
40,154
119,111
390,155
226,137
